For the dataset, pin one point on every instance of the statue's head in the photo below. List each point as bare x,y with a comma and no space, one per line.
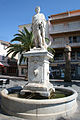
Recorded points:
37,9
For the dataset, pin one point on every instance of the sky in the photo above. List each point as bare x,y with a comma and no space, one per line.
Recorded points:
18,12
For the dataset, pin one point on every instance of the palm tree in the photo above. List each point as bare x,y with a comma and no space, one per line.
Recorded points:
25,40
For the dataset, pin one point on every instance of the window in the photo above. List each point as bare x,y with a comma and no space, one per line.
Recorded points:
78,55
58,56
70,40
73,55
78,38
23,62
74,39
58,27
59,40
74,25
3,58
23,71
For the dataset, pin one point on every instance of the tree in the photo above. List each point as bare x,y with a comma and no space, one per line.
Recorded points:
25,40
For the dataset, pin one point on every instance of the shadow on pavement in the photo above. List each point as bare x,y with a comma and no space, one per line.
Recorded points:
61,118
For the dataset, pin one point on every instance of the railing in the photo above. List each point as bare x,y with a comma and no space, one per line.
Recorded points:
58,61
54,45
61,28
62,44
63,61
74,44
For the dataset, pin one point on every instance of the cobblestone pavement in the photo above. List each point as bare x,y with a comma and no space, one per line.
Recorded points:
74,84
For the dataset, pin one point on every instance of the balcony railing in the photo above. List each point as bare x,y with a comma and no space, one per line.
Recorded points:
61,28
75,44
63,43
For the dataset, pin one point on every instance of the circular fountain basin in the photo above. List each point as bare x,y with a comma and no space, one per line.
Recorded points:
34,109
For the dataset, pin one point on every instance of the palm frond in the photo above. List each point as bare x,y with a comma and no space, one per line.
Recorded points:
26,31
21,58
19,35
47,40
22,33
19,39
14,54
11,51
10,45
51,50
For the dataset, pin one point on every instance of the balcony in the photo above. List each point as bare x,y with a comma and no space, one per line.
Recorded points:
62,28
74,44
54,45
58,42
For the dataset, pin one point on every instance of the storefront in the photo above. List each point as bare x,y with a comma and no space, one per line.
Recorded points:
12,69
58,71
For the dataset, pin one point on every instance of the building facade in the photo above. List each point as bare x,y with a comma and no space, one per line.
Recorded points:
8,66
64,28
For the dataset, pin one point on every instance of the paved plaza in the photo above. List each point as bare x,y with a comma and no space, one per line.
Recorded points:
75,84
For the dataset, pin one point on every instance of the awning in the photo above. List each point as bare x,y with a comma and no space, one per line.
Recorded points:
1,64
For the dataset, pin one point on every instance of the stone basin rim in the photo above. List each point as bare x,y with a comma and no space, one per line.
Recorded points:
4,93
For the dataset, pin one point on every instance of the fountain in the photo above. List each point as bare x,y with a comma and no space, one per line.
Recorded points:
39,99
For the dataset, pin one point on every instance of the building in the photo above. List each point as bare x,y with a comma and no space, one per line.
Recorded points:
8,66
64,28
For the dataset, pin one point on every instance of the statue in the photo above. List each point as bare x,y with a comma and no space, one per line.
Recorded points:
38,28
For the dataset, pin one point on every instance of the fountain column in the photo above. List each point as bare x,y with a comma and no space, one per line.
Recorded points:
38,72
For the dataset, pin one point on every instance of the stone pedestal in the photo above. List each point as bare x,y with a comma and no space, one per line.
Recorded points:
38,72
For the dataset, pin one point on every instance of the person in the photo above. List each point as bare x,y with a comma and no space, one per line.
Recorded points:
38,28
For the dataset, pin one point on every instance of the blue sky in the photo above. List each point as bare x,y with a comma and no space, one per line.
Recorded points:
19,12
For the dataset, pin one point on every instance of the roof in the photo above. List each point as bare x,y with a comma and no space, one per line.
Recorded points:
65,14
1,64
24,25
4,42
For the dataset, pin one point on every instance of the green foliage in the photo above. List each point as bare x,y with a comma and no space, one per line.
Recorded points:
25,40
51,50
